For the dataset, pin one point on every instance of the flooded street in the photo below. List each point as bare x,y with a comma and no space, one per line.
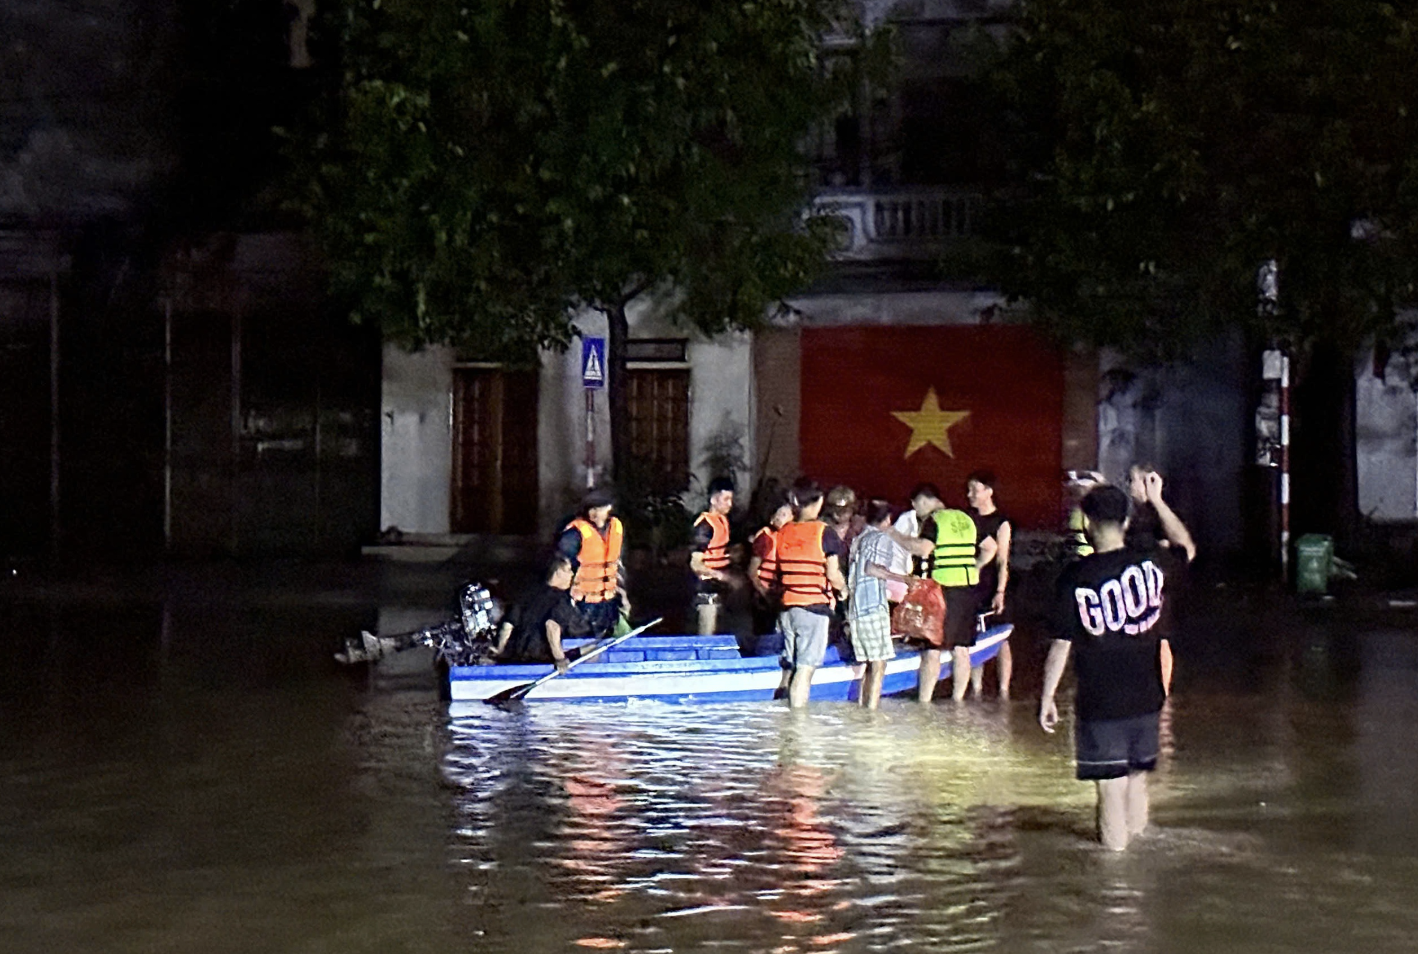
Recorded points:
193,776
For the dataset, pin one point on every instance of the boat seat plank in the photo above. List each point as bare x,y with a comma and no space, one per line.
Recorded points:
717,641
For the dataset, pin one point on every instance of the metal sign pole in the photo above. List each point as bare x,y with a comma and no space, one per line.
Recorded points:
1276,367
1284,467
593,378
590,439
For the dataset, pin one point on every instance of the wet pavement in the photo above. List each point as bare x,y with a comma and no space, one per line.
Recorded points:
186,769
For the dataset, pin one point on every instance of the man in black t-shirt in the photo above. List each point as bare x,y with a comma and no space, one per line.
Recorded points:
533,629
1109,613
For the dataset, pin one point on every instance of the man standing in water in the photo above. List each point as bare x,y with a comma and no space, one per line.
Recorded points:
1146,529
709,561
809,569
868,610
994,573
1108,608
951,544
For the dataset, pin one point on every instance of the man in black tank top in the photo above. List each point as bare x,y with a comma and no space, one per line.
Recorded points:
994,575
1146,529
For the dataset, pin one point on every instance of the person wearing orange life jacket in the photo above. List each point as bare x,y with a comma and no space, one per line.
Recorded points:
593,543
809,572
709,560
763,567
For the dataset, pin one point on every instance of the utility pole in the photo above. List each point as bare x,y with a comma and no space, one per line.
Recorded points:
1275,366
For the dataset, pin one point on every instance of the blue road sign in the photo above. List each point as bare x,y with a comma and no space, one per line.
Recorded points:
593,363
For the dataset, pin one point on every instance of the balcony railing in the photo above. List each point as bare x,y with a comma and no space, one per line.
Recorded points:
914,223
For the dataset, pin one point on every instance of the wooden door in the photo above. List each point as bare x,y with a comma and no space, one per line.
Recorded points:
494,451
658,402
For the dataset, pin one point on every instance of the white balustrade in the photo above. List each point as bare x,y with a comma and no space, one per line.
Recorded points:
900,224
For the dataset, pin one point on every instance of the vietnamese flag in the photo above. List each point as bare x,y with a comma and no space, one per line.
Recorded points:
884,409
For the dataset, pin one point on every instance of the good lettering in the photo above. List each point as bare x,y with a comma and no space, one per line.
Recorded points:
1131,603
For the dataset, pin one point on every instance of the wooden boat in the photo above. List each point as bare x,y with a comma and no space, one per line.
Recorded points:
695,669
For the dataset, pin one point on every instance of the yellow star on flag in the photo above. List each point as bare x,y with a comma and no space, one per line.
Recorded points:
930,425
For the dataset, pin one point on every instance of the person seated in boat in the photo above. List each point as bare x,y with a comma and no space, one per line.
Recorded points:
593,542
709,560
534,627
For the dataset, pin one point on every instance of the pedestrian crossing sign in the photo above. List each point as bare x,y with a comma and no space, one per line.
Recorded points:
593,363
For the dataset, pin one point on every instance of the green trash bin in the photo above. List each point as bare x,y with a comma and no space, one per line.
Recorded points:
1314,558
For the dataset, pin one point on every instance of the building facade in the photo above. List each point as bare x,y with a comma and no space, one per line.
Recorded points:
469,448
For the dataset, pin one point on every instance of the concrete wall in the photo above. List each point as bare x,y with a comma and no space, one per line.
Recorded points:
1190,420
417,440
721,406
777,371
1386,440
561,430
864,308
1080,410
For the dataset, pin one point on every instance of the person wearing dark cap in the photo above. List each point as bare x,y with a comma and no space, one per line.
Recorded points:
593,543
709,560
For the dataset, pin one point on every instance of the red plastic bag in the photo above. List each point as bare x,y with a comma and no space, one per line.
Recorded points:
921,615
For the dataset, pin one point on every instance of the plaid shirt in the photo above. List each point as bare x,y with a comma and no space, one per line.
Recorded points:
868,592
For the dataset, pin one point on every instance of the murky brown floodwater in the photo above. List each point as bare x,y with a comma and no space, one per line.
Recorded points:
204,780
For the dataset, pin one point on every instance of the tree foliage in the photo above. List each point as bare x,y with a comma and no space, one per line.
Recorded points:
1162,149
489,166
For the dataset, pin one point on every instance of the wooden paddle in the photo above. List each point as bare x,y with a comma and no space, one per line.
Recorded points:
518,692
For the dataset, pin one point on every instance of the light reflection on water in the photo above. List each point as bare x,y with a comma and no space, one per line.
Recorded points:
179,804
744,825
649,827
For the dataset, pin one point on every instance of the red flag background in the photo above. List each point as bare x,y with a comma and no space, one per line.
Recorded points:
1005,377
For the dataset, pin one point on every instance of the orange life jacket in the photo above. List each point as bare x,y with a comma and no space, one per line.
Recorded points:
768,566
802,564
716,554
597,562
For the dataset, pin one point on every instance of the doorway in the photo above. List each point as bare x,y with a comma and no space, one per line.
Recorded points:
658,403
494,450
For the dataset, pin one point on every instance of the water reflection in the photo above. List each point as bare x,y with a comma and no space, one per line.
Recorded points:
753,826
201,778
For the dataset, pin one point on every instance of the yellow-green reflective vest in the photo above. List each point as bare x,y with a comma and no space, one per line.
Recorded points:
953,561
1077,534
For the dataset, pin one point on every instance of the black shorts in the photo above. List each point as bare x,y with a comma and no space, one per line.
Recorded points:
709,592
600,617
960,603
1111,748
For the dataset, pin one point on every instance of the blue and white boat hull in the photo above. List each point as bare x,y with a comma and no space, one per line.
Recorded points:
695,669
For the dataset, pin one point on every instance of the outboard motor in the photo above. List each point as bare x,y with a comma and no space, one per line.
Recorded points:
464,641
480,611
